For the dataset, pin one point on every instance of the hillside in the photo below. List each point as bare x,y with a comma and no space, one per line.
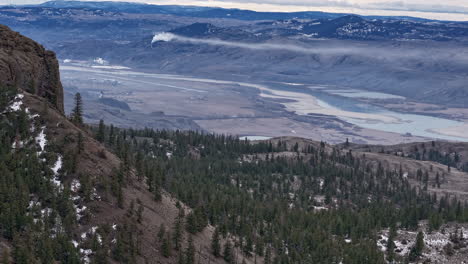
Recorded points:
76,193
57,195
454,155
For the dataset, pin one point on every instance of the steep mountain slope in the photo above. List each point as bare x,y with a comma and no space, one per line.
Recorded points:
76,202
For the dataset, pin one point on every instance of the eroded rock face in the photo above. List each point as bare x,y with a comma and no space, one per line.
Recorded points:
30,67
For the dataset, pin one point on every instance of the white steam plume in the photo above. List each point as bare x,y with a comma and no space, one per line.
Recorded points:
163,37
167,37
372,52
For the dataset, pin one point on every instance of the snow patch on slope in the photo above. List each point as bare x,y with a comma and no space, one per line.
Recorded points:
17,103
56,168
41,140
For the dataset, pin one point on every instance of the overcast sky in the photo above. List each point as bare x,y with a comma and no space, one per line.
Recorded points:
435,9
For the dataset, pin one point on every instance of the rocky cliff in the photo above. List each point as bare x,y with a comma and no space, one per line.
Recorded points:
30,67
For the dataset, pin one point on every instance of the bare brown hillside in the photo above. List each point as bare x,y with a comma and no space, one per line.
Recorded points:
453,181
454,154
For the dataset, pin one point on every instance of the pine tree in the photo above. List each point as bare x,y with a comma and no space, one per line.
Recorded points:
80,143
434,221
157,192
180,258
111,135
191,223
161,232
140,212
391,244
248,248
166,246
228,254
178,233
120,197
420,242
268,255
417,249
215,244
190,252
259,247
101,132
77,111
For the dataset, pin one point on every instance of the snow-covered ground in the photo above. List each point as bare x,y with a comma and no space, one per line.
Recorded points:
435,243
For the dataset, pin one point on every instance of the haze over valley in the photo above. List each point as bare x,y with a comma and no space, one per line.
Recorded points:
321,76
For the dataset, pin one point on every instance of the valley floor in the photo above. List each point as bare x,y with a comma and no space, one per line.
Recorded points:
257,109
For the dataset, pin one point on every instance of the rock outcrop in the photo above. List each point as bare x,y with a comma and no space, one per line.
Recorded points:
27,65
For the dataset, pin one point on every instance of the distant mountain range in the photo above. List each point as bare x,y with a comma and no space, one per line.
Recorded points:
311,24
345,27
202,12
415,58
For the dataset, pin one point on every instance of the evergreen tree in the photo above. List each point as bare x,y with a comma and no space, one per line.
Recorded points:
178,233
77,111
101,132
391,244
180,258
417,249
215,244
140,212
161,232
166,246
190,252
191,223
80,143
227,253
268,255
248,248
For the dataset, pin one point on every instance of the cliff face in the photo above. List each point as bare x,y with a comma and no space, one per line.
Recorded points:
30,67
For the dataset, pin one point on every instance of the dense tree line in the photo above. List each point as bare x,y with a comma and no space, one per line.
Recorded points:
295,208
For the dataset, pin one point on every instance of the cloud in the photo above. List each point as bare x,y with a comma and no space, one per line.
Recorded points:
20,2
447,6
432,9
